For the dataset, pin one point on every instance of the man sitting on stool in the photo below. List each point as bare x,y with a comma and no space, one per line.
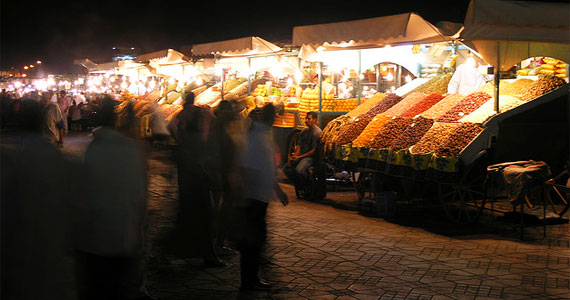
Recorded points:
302,158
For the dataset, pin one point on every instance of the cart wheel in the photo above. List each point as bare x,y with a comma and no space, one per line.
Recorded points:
292,142
463,202
367,185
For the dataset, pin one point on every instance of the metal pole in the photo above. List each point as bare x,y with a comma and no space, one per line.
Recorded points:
497,77
249,76
359,79
320,92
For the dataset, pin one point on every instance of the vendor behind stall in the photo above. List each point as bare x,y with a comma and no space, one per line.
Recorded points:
467,78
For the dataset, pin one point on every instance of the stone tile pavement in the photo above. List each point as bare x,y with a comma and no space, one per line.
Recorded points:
328,250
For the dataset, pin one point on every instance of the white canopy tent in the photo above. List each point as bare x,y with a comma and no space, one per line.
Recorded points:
247,55
407,28
507,32
361,44
241,47
170,63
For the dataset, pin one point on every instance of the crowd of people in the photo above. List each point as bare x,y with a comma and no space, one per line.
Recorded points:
76,110
94,211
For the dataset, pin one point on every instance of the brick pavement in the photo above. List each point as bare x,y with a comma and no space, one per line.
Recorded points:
329,251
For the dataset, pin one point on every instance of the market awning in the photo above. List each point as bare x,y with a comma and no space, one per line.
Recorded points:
247,46
516,30
163,57
407,28
104,67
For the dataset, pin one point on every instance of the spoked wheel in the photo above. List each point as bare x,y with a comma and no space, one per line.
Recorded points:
367,185
463,201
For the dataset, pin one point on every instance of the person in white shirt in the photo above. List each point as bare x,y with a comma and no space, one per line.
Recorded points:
466,79
259,188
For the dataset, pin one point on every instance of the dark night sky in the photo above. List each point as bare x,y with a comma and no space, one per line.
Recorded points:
59,31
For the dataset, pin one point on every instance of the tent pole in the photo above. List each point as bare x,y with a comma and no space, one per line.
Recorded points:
358,76
320,92
249,76
497,77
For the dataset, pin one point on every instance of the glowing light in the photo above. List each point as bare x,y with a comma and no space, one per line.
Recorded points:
408,78
389,77
24,75
289,81
38,62
152,84
25,67
17,84
112,79
171,80
199,81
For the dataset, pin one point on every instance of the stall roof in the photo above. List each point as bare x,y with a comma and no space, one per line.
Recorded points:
404,28
237,47
103,67
524,29
165,56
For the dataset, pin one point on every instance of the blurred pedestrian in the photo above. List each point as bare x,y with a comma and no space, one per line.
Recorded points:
64,102
231,135
53,122
260,186
196,159
35,259
4,108
111,219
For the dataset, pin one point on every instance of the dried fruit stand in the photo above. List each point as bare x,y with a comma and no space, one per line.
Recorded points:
452,139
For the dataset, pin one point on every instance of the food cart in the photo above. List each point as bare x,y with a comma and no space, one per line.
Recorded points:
454,150
394,47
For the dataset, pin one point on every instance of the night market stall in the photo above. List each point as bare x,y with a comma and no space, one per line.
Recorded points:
436,137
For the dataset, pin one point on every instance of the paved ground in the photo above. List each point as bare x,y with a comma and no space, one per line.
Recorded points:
329,250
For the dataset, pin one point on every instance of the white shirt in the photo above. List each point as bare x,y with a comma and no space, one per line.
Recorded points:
465,80
258,165
79,98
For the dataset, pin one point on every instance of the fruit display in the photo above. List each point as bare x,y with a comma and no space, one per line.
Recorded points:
371,130
402,106
467,105
433,138
411,135
426,103
543,85
365,106
487,110
339,105
458,139
287,120
442,106
390,132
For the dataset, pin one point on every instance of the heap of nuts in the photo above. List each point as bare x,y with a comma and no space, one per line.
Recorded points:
487,110
543,85
412,134
353,130
366,105
371,130
458,139
433,138
441,107
389,132
409,101
389,101
435,85
331,130
469,104
428,101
